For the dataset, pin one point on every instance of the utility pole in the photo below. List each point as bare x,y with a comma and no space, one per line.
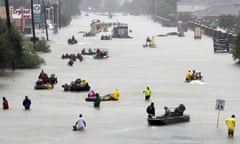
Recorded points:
8,15
59,14
33,26
45,20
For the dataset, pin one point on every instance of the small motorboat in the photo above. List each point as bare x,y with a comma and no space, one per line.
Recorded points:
170,117
166,120
195,81
72,41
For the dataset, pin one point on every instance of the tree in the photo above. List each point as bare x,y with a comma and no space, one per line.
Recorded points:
235,48
13,52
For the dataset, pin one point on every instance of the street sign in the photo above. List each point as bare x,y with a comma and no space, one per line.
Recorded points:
220,103
37,13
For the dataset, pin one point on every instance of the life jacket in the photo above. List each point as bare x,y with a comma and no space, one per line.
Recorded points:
153,40
115,95
188,76
48,85
83,83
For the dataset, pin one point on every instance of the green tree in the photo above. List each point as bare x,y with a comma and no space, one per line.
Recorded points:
13,52
227,22
235,48
10,46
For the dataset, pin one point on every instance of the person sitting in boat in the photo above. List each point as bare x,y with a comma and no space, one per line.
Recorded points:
53,79
90,51
148,41
84,83
115,94
153,40
151,110
83,51
41,74
66,87
73,38
199,76
167,111
39,82
194,75
179,110
48,85
80,57
188,76
91,93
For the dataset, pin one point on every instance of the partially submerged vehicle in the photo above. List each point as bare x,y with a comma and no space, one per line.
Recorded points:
169,117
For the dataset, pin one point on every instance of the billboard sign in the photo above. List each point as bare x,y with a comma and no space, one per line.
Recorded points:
20,13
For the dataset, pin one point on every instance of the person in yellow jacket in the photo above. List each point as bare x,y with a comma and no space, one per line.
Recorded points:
188,76
115,94
153,40
83,83
230,122
48,85
148,92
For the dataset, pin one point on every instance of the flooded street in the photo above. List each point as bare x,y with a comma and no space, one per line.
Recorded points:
129,68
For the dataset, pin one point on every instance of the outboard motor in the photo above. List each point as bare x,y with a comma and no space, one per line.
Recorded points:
179,110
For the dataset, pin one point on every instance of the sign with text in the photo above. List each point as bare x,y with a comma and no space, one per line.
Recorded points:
220,103
37,13
20,13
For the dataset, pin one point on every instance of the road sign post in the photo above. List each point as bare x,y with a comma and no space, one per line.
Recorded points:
220,104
